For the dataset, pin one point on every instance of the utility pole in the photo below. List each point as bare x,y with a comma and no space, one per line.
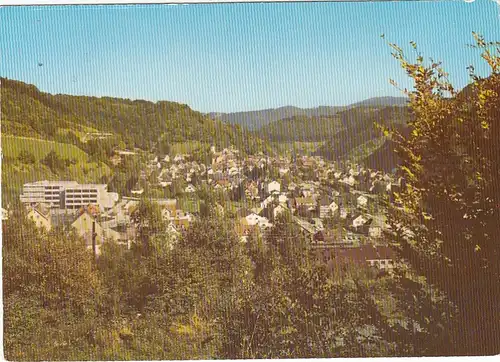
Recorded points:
94,234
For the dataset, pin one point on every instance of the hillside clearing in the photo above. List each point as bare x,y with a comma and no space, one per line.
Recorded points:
12,146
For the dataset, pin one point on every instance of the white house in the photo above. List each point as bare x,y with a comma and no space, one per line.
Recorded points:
40,215
362,201
110,234
273,186
267,201
325,209
190,188
335,193
282,199
349,180
283,171
278,210
252,219
5,214
359,221
264,223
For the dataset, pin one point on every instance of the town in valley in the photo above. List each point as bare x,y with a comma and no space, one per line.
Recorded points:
236,181
340,208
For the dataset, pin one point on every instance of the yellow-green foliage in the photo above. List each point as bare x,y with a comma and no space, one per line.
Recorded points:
80,133
12,146
361,152
185,147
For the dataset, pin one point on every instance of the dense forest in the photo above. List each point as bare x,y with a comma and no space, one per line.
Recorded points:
317,129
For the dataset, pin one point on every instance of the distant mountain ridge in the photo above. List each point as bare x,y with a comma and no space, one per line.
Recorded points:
383,102
255,120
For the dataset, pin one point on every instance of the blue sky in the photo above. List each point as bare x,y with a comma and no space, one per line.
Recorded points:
236,57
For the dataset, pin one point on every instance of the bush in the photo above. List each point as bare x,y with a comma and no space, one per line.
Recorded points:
54,162
26,156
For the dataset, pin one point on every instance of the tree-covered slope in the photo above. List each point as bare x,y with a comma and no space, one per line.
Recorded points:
358,129
301,129
26,111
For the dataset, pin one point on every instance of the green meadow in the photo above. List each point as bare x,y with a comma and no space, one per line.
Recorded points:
12,146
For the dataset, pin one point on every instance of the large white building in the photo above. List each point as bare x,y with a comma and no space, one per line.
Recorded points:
68,194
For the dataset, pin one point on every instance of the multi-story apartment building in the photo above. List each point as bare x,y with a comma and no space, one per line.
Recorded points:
68,194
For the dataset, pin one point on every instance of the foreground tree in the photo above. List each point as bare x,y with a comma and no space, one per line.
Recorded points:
51,293
292,307
447,227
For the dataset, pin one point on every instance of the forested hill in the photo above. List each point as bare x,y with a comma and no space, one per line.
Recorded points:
348,135
301,129
255,120
26,111
359,139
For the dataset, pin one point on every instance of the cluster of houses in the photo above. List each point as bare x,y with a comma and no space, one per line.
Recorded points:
317,193
338,208
116,224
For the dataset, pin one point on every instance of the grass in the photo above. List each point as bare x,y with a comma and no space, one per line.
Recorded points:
80,133
15,173
12,146
184,147
359,153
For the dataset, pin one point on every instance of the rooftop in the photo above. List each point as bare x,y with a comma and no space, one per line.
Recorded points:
65,184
